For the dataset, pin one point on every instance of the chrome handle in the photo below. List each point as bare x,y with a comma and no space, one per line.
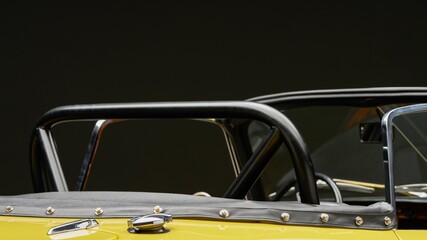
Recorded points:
74,226
152,223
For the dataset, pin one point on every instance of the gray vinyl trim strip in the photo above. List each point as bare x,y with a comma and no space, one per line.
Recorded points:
131,204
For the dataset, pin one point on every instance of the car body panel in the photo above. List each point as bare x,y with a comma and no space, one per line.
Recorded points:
411,234
37,228
116,228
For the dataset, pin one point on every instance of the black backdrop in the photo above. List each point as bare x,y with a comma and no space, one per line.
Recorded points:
73,52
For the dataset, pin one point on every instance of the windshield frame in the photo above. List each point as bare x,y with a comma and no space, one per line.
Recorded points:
388,156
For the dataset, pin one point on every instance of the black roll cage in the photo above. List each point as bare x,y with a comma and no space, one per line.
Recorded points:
47,173
232,117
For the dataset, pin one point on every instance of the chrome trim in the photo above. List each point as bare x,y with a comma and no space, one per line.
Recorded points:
387,220
74,226
152,223
48,146
202,194
387,135
157,209
224,213
285,217
358,221
50,210
99,211
324,217
92,147
8,209
232,152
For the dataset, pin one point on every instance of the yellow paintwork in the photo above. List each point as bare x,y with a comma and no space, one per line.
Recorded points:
36,228
412,234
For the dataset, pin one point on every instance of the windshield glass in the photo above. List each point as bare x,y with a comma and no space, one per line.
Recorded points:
410,155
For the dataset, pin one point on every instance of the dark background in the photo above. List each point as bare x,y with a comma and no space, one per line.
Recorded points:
65,53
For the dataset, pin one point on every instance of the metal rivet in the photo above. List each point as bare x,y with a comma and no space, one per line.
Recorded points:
285,217
359,221
8,209
387,221
98,211
50,210
224,213
157,209
324,217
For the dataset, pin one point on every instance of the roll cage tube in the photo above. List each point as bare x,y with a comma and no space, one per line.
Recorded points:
361,97
51,176
100,125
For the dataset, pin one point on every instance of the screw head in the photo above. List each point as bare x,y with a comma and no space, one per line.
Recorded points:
50,210
359,221
224,213
387,221
8,209
285,217
157,209
324,217
98,211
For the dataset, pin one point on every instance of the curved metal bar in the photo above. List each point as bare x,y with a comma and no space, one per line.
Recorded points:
288,181
330,182
99,127
232,151
193,110
387,136
363,97
53,168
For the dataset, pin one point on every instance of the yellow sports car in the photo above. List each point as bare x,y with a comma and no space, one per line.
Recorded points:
325,164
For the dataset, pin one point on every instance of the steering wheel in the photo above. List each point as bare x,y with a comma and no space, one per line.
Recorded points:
289,181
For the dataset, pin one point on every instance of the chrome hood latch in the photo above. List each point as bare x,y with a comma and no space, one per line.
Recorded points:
152,223
74,226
